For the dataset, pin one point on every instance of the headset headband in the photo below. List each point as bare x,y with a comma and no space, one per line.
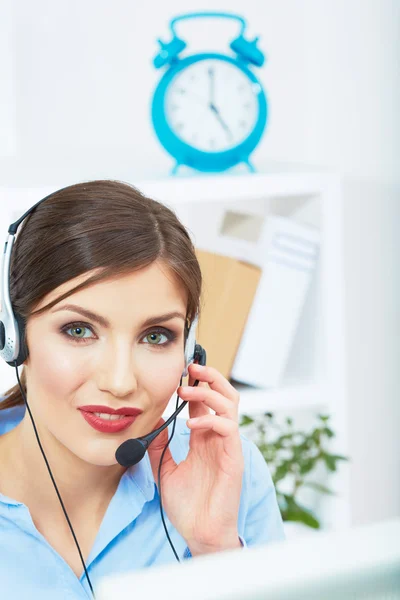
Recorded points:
12,325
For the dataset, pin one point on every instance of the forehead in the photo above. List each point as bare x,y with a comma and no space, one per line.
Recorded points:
151,290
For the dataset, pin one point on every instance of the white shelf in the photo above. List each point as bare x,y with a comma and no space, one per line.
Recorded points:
300,397
186,190
317,377
228,187
254,401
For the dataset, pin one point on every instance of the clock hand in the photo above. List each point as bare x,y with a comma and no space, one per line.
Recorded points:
220,119
211,74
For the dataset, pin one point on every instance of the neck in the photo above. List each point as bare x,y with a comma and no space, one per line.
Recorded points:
84,488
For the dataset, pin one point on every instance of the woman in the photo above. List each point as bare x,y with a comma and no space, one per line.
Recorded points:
108,283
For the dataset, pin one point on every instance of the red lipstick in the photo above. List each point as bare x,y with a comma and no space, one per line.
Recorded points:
105,424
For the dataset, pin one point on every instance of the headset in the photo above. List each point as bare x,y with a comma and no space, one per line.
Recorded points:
14,351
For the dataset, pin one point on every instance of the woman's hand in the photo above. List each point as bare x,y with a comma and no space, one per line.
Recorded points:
201,495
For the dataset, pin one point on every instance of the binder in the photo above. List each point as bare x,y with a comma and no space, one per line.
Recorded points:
289,253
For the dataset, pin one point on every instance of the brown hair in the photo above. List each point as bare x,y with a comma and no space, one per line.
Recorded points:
103,224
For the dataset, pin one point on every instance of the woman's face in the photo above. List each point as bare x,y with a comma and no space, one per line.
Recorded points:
75,361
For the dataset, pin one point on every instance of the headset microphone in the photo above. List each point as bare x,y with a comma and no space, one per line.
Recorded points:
132,451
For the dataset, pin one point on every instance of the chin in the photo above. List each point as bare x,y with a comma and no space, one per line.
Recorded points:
99,454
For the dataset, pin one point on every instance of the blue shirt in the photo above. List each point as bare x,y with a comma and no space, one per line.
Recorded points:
131,535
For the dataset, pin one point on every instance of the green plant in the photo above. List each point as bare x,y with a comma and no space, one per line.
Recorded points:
293,454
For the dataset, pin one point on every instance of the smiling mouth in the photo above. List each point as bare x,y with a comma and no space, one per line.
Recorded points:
108,417
106,422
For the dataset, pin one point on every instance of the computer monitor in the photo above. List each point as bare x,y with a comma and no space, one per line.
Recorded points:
359,563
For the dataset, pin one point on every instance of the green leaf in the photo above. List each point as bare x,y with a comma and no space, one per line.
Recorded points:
282,470
319,487
307,465
285,436
339,457
316,436
331,460
324,418
297,512
246,420
328,432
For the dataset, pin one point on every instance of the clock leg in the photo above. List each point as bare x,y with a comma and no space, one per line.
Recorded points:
175,168
250,165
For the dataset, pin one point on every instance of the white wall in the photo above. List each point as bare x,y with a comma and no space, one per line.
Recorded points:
7,81
85,80
353,87
372,250
83,85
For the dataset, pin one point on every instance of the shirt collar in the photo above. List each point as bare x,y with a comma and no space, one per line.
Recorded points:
135,488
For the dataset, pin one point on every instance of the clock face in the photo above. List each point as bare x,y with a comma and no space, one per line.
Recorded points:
212,105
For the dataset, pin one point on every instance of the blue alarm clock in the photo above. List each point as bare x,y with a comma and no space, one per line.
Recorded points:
209,110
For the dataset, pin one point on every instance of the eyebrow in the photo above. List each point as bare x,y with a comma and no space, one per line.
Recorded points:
106,323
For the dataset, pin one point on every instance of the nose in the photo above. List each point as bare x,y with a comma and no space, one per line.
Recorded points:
116,373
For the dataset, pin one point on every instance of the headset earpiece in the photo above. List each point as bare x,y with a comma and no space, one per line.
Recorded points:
23,348
200,355
190,345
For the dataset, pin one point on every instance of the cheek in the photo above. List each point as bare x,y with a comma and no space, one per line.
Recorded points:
162,375
57,371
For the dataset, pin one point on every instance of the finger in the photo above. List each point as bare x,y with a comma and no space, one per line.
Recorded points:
226,428
197,409
215,380
191,381
222,406
155,451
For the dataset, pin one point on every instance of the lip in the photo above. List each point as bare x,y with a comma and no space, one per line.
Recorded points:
128,410
109,426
